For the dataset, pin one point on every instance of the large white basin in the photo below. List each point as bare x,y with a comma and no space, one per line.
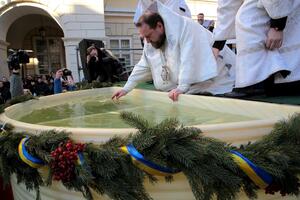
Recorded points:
248,121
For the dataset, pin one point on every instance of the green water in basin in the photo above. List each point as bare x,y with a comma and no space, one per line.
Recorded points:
96,112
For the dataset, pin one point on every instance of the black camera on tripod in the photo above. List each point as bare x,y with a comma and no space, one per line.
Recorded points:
16,58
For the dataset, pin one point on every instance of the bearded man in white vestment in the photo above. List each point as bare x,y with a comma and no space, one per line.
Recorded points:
267,38
177,55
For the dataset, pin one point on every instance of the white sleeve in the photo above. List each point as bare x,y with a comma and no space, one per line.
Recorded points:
197,62
186,12
141,72
225,26
279,8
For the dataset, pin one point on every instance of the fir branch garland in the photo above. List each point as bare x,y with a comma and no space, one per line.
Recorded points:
207,163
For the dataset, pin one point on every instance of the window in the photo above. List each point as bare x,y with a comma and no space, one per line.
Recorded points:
123,55
49,52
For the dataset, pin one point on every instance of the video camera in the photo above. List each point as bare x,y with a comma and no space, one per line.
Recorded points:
16,58
67,72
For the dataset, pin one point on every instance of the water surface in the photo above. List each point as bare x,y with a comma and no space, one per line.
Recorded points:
100,112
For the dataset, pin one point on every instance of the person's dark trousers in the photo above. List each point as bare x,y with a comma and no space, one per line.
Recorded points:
16,85
5,94
105,72
6,84
281,89
93,69
269,88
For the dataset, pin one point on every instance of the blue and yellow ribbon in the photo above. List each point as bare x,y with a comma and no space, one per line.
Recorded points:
26,157
146,165
80,159
259,176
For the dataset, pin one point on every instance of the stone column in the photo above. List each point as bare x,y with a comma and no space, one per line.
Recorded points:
71,60
85,22
3,59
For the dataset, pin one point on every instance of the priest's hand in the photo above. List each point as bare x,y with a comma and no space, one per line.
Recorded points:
274,39
117,95
174,94
216,52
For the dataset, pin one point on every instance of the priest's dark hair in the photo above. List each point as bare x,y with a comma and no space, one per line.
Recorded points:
151,19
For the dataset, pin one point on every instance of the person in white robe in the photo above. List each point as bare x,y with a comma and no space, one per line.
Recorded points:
178,6
178,57
267,39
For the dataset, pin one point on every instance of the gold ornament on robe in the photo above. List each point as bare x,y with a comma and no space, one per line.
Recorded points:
165,74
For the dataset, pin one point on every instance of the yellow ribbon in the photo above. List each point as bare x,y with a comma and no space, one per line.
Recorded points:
26,157
147,168
260,177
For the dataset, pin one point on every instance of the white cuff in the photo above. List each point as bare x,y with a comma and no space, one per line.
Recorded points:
129,86
183,87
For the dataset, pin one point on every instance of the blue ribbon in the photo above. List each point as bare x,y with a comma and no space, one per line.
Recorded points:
26,157
259,176
80,159
147,165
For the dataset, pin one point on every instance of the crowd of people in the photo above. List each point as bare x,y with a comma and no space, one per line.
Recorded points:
39,85
35,85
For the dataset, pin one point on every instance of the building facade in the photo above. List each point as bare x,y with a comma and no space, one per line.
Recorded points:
51,29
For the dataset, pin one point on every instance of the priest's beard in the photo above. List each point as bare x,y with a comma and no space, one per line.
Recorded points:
158,44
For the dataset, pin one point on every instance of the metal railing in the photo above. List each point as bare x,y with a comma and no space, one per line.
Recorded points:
135,54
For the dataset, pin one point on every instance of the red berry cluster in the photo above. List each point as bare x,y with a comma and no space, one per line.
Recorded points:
64,160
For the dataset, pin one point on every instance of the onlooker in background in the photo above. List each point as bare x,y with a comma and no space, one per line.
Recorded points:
52,76
57,82
100,64
208,24
29,84
16,84
42,88
5,81
68,80
63,78
4,92
51,85
51,82
94,63
44,79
